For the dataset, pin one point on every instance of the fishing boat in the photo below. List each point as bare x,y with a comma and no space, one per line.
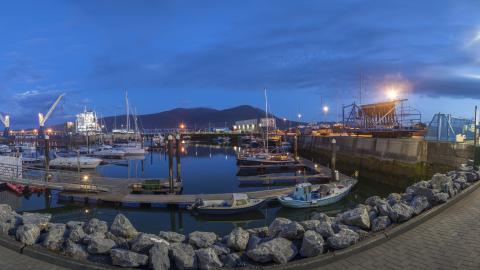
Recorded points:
71,162
304,195
239,203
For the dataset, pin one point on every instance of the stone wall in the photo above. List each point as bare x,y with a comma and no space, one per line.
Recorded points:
393,161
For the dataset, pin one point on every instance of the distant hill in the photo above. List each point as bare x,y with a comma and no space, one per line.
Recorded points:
193,118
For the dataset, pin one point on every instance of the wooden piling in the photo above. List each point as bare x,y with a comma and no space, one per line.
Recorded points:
170,163
178,138
334,159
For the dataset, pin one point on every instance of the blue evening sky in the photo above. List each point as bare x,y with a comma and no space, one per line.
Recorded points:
220,54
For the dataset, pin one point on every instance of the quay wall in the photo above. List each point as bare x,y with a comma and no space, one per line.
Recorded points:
398,162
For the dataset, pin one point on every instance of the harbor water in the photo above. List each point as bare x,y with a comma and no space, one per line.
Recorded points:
205,169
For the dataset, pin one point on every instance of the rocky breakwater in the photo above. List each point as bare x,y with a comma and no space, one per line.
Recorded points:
120,244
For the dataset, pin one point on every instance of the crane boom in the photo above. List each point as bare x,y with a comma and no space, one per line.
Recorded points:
5,120
42,119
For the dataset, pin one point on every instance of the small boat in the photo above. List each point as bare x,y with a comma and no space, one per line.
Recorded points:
17,188
131,149
5,149
305,197
222,140
265,158
239,203
72,162
106,151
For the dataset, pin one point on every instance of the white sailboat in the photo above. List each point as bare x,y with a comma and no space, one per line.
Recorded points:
107,151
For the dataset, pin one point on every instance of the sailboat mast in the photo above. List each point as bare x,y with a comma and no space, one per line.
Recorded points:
128,112
266,118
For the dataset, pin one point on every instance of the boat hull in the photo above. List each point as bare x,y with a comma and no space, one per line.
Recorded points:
228,210
313,203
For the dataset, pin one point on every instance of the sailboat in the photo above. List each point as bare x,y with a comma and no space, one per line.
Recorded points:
265,157
130,148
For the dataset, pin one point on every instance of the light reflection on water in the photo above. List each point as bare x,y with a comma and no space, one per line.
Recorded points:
205,169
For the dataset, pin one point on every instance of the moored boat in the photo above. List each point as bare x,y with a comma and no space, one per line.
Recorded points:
305,195
75,162
239,203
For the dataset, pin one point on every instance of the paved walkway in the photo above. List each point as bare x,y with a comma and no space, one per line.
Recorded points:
12,260
450,240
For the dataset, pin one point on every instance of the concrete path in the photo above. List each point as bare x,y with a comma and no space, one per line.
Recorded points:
12,260
450,240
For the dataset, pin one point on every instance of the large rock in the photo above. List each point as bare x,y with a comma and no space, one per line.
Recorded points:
419,204
220,248
122,227
144,241
439,198
321,217
95,226
202,239
125,258
312,244
183,256
100,246
120,242
310,224
461,181
438,180
279,250
28,234
374,200
76,251
238,239
394,198
383,209
172,237
74,224
76,234
253,242
55,236
282,227
380,223
233,260
159,259
400,212
89,237
38,219
9,222
325,229
357,217
260,232
208,259
343,239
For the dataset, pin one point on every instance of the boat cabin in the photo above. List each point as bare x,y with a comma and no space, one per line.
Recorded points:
303,192
239,199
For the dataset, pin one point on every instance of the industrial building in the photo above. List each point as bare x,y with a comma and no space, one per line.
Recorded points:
254,125
87,123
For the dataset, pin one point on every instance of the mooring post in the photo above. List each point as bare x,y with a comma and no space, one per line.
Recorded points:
177,140
170,163
295,145
334,159
47,157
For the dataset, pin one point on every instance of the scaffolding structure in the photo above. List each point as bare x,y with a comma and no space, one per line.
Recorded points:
444,127
391,118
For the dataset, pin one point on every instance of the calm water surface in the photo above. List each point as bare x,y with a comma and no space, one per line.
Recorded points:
205,169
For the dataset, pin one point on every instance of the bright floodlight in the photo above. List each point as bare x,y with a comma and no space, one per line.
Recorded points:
392,93
325,109
299,115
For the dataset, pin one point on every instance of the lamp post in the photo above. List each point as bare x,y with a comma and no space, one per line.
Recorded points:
325,110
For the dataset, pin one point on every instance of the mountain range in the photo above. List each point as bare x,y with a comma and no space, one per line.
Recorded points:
193,118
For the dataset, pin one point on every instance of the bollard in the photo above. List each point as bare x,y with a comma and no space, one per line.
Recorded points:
170,163
334,159
178,157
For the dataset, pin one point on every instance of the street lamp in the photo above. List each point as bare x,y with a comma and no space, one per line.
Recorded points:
325,110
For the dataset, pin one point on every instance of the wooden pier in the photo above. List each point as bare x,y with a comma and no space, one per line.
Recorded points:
91,188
